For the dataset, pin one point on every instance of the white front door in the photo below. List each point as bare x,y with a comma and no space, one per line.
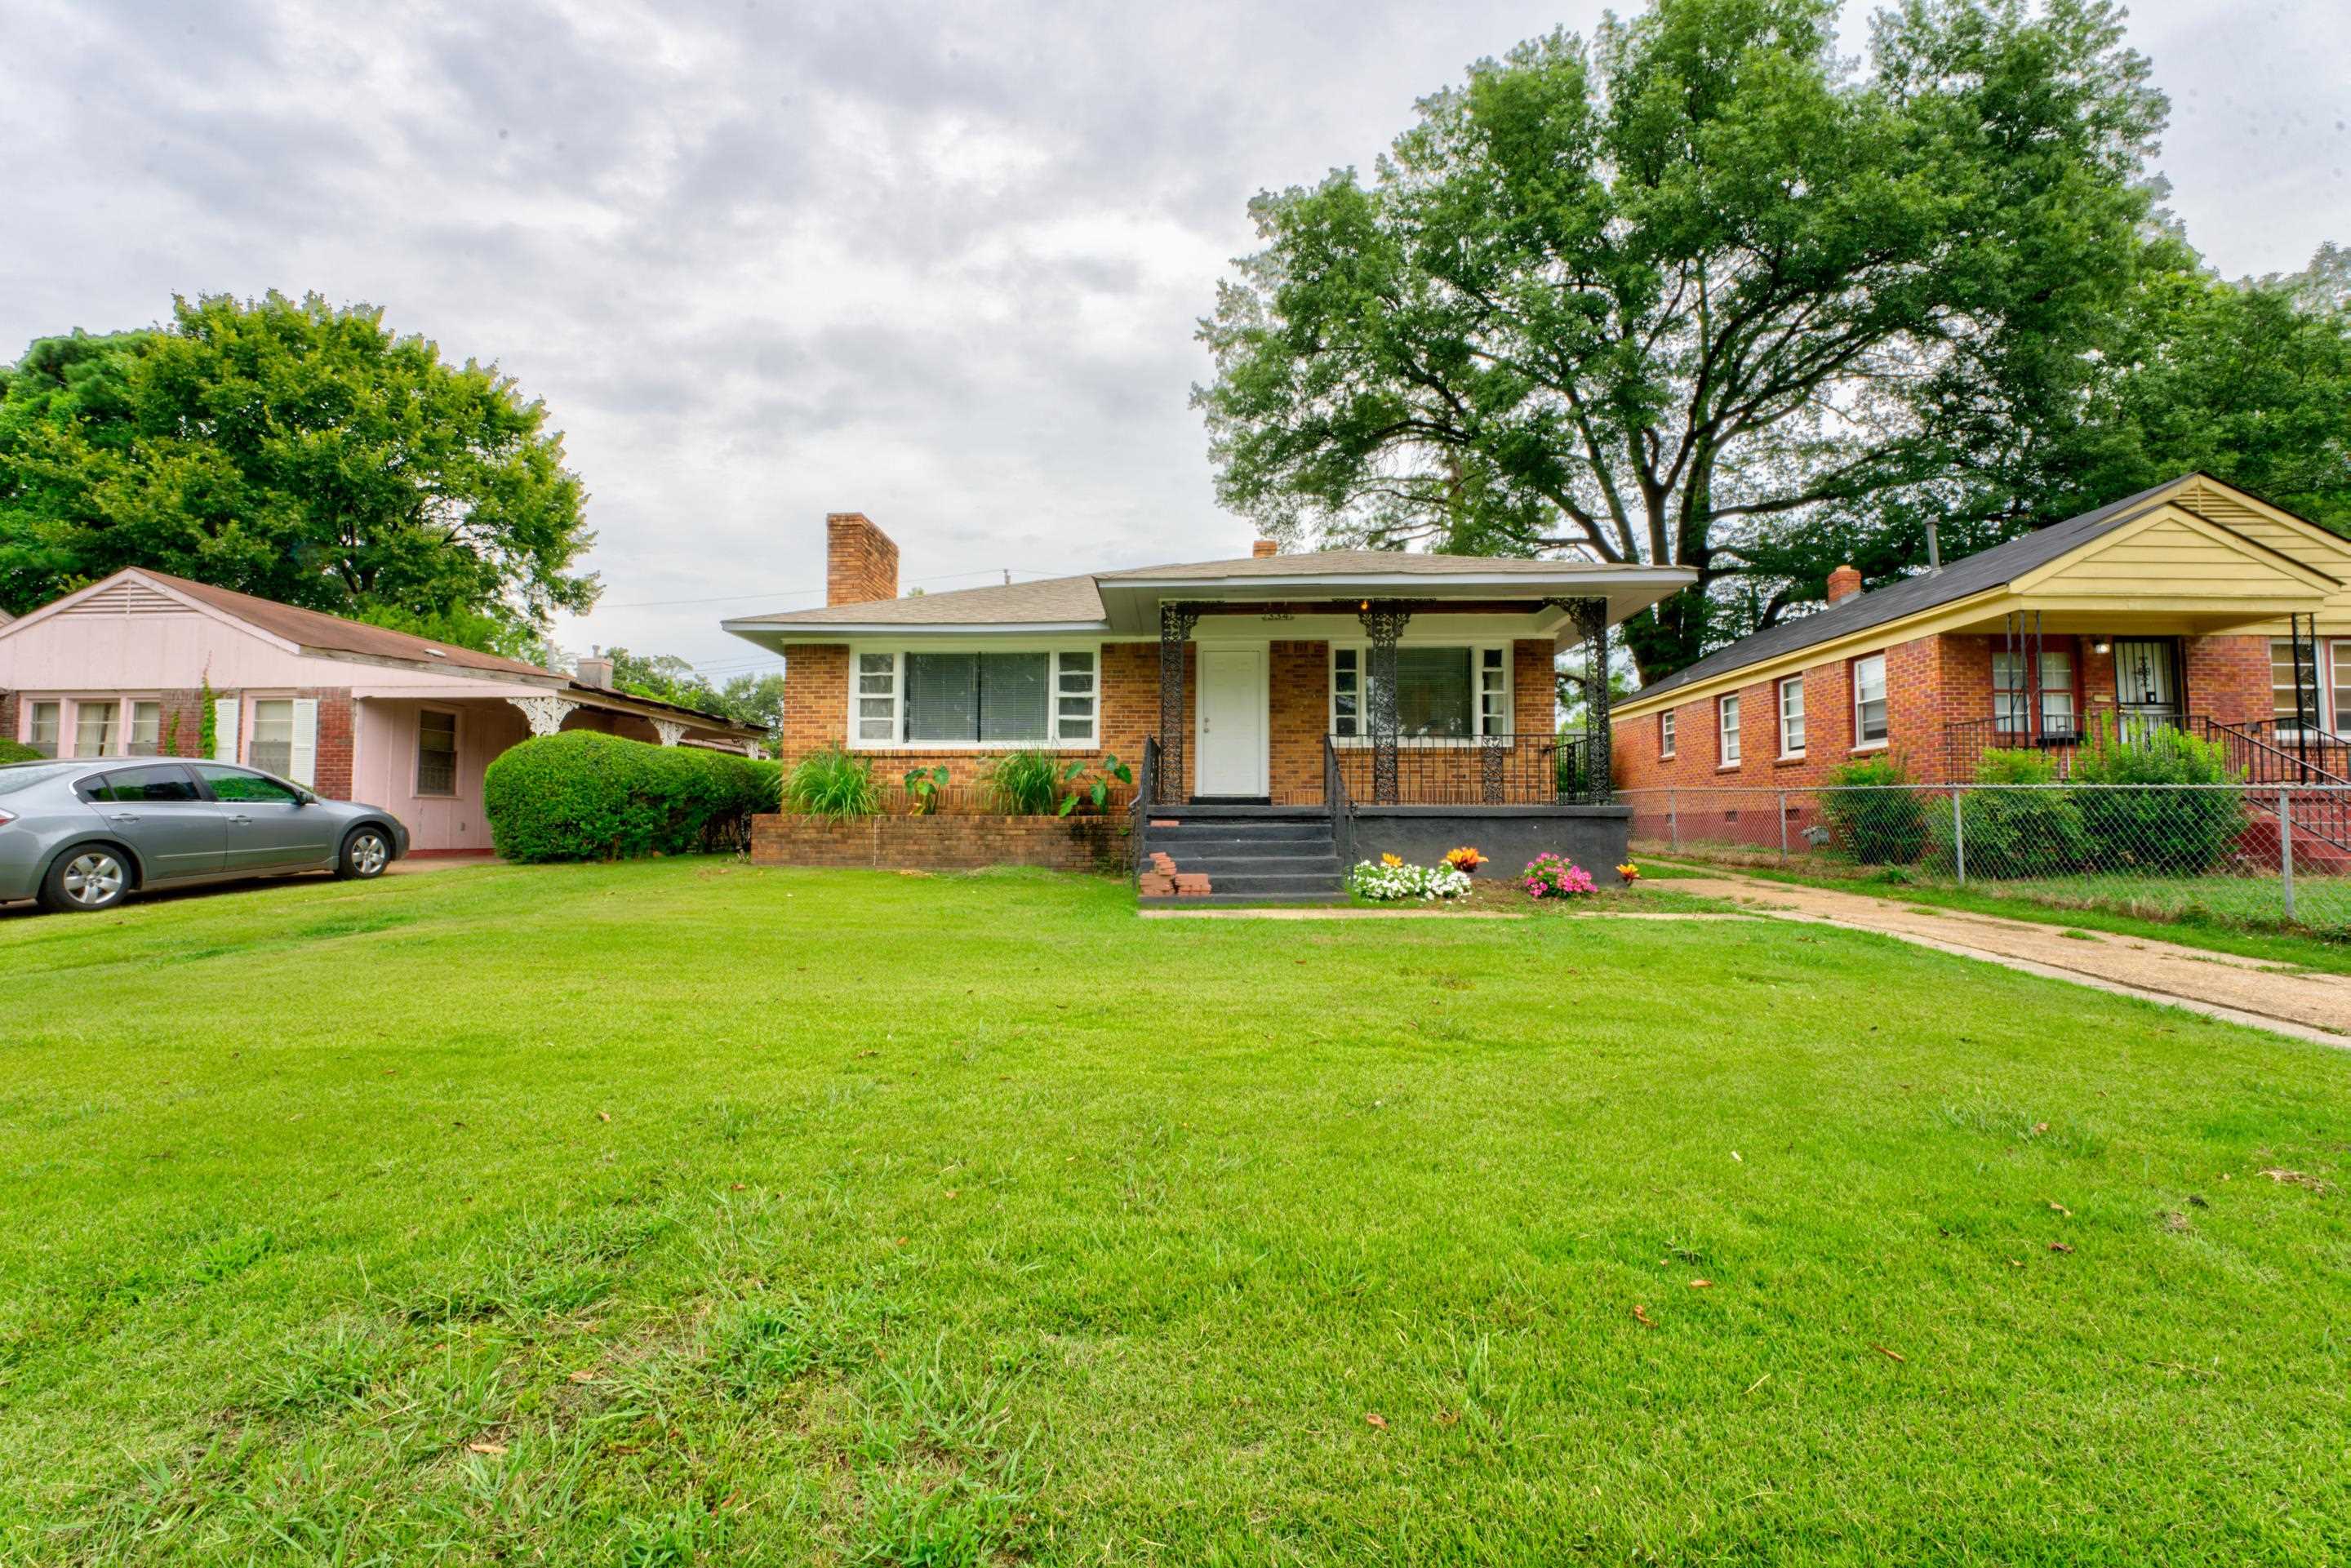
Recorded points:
1232,730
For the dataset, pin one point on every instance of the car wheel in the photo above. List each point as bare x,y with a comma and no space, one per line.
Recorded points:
365,854
86,878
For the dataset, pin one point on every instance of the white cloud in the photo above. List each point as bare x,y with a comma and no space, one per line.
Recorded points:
765,260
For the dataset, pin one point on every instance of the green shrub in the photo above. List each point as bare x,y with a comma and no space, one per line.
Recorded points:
17,751
1023,783
1876,820
2011,833
588,796
830,782
2179,832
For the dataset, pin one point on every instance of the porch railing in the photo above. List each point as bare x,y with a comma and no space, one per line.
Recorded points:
1495,769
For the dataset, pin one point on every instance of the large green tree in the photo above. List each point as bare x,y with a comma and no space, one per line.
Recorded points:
1675,294
295,450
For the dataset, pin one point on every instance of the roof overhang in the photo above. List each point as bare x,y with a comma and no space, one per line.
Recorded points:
1132,603
780,637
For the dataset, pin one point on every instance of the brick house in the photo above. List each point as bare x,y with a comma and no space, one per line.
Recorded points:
354,712
2192,605
1255,691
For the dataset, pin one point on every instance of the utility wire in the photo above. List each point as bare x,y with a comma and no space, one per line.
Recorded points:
800,592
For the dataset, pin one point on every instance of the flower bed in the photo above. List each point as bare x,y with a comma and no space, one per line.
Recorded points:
1390,881
1553,876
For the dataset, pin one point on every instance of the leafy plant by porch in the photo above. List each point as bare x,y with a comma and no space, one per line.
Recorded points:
1022,783
830,782
17,751
682,1212
1873,814
2179,831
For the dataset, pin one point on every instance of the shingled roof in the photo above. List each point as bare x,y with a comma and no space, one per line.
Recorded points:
1962,578
1077,600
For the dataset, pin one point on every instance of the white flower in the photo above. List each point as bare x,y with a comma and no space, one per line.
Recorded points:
1390,884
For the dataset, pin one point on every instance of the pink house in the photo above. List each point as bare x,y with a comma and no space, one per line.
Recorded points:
144,664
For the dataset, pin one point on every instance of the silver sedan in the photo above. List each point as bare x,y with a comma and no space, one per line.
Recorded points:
85,835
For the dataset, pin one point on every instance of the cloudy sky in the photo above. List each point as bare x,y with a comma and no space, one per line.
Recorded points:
765,260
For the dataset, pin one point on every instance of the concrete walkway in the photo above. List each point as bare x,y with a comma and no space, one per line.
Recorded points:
2252,991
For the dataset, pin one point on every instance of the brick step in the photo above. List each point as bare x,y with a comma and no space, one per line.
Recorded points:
1260,884
1220,896
1189,850
1222,866
1241,832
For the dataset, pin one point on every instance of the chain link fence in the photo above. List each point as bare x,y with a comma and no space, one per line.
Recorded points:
2262,857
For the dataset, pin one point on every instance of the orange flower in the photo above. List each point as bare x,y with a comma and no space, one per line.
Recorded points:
1629,871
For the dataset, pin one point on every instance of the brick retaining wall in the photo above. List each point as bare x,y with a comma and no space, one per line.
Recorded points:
939,844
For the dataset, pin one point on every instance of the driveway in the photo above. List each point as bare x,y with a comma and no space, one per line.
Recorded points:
2253,991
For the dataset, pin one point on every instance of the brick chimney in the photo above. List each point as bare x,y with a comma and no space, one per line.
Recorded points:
1843,583
861,564
1264,547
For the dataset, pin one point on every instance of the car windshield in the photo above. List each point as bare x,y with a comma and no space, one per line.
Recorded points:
25,775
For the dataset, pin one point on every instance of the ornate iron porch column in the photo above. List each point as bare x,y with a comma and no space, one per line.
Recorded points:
1591,617
1384,622
1175,623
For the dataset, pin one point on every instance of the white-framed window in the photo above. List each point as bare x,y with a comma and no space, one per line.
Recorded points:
271,749
98,728
42,722
876,698
1791,716
1443,691
917,698
436,752
1726,712
1076,695
1869,722
2011,701
2339,653
146,730
1665,736
2283,694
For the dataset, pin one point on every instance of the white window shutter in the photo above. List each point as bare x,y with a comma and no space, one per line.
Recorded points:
305,741
224,729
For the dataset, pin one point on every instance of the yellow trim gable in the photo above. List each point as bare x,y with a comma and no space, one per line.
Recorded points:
2172,554
2204,558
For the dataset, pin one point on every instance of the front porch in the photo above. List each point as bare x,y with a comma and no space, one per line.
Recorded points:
1428,746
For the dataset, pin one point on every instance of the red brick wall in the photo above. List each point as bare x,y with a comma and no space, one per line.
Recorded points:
332,778
1931,683
860,561
2228,678
816,705
8,715
816,699
1298,700
939,844
1918,676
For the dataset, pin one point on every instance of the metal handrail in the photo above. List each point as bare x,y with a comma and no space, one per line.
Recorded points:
1341,803
1146,791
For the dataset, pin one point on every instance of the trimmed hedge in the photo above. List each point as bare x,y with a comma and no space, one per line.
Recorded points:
17,751
584,796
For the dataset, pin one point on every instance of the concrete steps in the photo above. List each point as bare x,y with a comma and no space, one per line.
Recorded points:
1228,853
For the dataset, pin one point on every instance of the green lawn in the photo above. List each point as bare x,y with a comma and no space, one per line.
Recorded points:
678,1211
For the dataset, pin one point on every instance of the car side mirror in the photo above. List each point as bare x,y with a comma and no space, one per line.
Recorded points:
306,798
